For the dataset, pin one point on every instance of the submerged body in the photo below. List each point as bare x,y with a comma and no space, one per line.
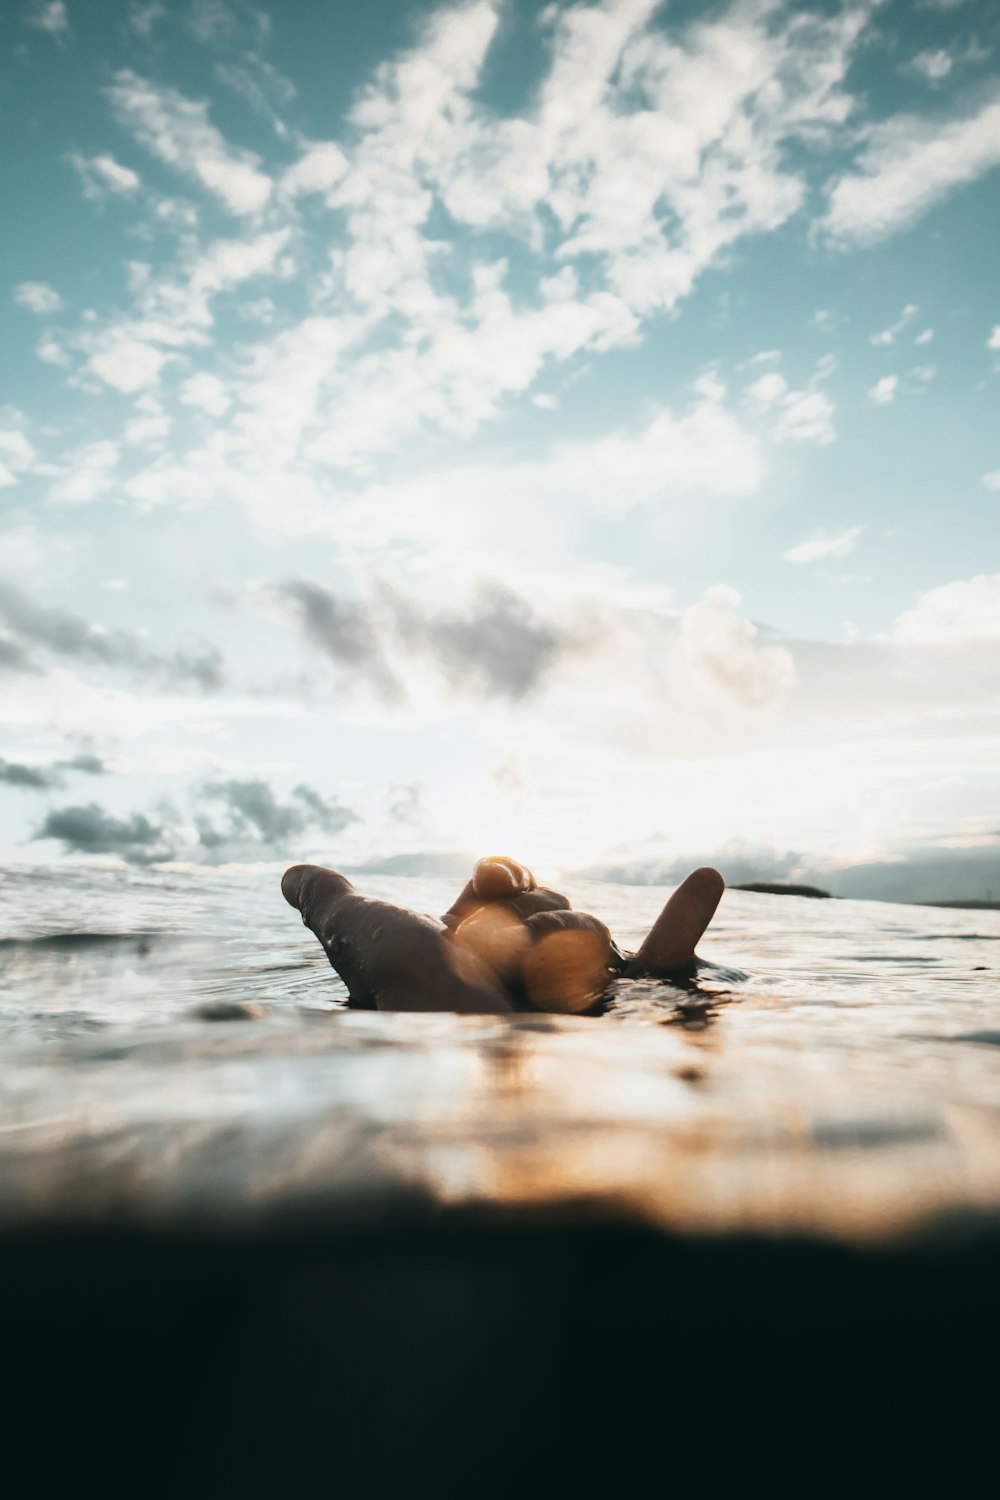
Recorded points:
505,944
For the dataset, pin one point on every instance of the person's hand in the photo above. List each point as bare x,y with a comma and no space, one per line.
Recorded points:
546,956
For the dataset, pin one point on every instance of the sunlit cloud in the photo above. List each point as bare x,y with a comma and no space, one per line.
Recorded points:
823,545
967,610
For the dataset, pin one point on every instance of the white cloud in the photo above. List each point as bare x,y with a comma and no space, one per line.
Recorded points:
884,390
16,452
37,297
907,166
262,310
799,415
704,449
966,610
179,132
991,481
238,22
87,474
261,85
47,15
806,417
226,263
167,482
704,150
61,701
149,425
927,337
824,544
143,17
51,352
643,201
128,364
682,683
128,354
101,175
933,65
36,555
478,512
459,378
889,335
684,686
321,165
683,152
722,653
207,392
483,514
709,386
993,342
767,390
287,377
924,373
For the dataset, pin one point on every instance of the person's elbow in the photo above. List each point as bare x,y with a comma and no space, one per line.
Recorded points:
291,882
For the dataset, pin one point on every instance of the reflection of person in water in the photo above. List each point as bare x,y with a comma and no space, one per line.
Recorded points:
506,943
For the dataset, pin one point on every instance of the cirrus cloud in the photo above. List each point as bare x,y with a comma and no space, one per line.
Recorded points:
823,545
908,165
179,132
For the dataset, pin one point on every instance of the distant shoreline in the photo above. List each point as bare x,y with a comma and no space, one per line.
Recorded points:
785,888
962,905
781,888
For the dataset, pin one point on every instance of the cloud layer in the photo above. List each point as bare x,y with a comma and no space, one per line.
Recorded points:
471,448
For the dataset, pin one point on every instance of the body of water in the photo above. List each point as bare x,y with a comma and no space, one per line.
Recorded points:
84,948
836,1066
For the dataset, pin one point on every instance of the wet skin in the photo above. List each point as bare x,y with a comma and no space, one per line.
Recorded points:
505,944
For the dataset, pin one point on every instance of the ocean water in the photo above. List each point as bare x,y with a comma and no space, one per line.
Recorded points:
86,948
833,1052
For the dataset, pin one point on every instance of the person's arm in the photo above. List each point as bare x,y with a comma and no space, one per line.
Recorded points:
388,957
504,940
673,937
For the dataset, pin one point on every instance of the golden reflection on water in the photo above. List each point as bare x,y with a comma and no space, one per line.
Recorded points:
502,1117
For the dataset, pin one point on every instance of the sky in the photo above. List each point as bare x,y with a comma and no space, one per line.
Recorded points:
567,430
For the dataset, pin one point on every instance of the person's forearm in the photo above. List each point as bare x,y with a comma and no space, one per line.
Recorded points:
388,957
672,939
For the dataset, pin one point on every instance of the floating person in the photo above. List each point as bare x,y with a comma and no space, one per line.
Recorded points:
506,944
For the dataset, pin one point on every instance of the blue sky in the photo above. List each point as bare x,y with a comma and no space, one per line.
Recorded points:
564,428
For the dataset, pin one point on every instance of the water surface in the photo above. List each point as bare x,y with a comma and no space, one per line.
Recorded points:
836,1069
